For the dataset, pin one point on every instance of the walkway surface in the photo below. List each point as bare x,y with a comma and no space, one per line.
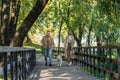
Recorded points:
65,72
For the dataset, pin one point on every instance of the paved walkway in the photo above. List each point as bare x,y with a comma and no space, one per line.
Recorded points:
65,72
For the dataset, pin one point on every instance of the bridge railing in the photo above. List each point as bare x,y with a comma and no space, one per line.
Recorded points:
102,62
18,62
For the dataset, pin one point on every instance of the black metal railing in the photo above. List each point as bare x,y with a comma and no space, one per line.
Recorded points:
60,49
102,62
18,62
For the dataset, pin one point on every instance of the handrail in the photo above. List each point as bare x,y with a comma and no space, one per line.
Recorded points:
99,61
21,61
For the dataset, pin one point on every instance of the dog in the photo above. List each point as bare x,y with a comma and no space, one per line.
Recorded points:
59,60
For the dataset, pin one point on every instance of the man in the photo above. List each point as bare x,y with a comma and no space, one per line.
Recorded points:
47,45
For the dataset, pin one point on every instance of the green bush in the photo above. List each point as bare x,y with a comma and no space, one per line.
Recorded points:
37,47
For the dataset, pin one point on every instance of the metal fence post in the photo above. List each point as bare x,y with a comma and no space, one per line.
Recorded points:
5,66
11,65
16,65
118,64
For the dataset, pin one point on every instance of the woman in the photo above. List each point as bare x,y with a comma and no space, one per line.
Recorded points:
69,44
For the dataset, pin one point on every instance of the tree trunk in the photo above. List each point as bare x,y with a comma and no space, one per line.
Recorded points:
27,23
4,28
98,41
68,14
14,18
59,39
28,40
0,21
80,35
90,30
78,40
89,33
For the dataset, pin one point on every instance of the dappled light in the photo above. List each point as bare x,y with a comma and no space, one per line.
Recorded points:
95,27
65,72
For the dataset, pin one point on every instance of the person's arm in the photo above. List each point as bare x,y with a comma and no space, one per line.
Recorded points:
73,41
53,43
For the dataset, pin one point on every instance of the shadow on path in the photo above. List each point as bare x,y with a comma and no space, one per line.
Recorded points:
65,72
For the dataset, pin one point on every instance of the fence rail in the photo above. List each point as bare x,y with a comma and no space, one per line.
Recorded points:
100,61
21,61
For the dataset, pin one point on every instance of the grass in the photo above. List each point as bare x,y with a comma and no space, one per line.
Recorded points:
1,77
35,46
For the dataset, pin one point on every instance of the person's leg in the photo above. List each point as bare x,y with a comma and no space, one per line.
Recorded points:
50,56
71,57
45,55
69,54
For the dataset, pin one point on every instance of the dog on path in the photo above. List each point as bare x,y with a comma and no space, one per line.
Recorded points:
59,60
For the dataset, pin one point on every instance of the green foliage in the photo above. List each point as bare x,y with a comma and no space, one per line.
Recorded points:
104,15
37,47
1,77
25,8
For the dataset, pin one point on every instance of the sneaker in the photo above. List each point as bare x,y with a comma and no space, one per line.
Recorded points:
70,63
50,64
45,64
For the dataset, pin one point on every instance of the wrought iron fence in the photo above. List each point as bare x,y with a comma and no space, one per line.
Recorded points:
18,62
100,61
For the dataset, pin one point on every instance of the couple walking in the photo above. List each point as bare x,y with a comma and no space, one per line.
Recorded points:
48,44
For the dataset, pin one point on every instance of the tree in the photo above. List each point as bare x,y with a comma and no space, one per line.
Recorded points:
4,28
16,37
14,19
27,23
